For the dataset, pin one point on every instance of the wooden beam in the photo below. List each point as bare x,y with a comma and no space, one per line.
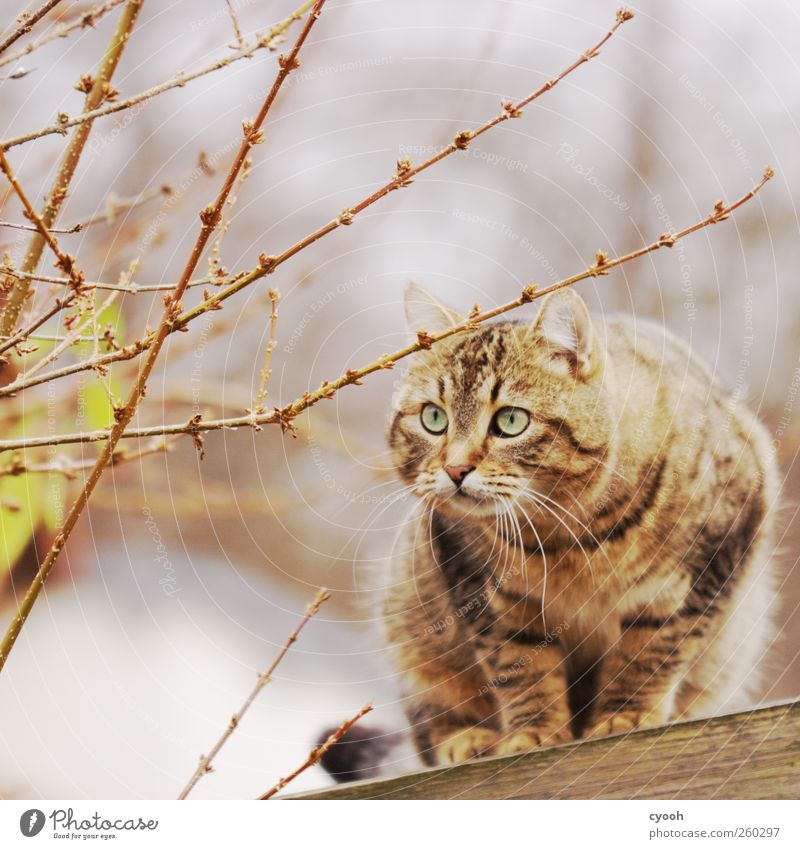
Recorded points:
750,755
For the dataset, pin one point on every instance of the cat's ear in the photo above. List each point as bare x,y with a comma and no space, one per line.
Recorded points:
565,327
424,312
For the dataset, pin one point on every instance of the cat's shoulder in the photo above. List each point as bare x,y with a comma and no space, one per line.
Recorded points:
655,346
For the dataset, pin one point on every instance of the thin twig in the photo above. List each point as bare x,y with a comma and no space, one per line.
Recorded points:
52,337
32,227
19,291
266,370
263,42
131,288
318,752
204,766
70,468
405,174
83,20
235,23
42,228
268,263
328,389
71,337
29,329
209,216
27,23
113,207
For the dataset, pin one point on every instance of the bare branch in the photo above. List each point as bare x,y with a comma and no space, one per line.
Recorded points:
235,23
28,22
131,288
204,766
113,206
83,20
70,468
318,752
100,86
328,389
266,370
32,228
405,173
180,80
65,262
71,337
209,217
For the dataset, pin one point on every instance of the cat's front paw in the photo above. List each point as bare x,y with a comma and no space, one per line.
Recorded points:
611,724
464,745
528,739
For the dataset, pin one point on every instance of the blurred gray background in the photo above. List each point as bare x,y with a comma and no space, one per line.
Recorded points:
186,576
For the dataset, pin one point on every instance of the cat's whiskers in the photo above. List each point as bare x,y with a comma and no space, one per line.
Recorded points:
497,535
543,553
540,495
430,504
561,521
415,505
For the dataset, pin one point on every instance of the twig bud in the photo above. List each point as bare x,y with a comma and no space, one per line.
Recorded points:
403,167
198,440
462,140
284,416
287,63
174,309
720,211
267,262
85,83
425,339
209,215
110,94
57,195
109,338
209,303
251,134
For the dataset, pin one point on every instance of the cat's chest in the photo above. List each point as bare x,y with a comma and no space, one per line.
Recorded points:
510,584
566,583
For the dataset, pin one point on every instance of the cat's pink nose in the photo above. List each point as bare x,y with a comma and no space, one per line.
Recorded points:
458,473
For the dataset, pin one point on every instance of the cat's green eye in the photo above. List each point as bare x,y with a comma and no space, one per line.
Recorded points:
433,418
511,421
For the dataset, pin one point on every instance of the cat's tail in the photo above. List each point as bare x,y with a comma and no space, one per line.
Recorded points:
361,753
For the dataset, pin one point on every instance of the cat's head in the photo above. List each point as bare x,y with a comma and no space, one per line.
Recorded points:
504,411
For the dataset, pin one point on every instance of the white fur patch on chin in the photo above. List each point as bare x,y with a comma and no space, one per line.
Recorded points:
469,505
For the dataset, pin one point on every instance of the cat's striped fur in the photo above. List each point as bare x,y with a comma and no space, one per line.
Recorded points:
606,569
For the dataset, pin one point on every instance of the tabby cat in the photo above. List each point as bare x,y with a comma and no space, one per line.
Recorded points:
591,548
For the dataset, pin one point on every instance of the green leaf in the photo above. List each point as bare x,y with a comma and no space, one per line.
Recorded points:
21,497
98,409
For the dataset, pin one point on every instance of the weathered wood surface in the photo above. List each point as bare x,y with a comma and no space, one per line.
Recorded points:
751,755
